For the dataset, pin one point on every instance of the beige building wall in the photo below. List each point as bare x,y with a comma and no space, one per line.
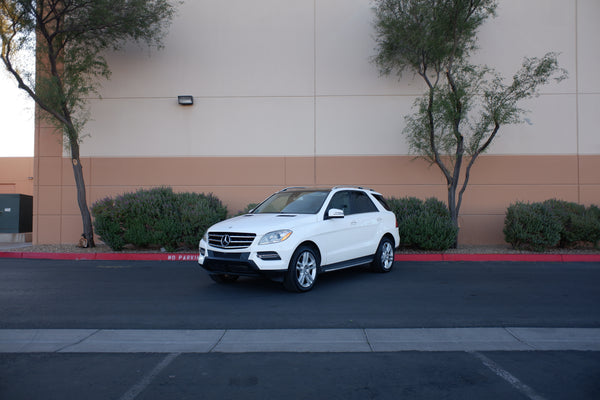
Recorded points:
285,94
16,175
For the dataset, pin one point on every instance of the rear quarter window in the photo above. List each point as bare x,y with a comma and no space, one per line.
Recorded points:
382,201
362,203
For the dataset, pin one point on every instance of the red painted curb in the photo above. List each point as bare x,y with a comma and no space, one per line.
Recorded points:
419,257
399,257
504,257
581,257
500,257
102,256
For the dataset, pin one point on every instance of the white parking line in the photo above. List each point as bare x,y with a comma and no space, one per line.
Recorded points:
139,387
507,376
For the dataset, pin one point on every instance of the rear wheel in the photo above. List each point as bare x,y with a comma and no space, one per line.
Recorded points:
224,278
384,258
302,271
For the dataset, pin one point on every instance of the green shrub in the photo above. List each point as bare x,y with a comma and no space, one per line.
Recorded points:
156,217
586,227
150,217
197,213
552,223
531,227
405,206
567,214
424,225
107,223
593,212
437,207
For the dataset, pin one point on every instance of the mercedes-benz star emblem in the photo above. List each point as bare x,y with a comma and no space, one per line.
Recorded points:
225,240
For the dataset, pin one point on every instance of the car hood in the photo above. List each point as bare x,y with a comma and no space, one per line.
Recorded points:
262,223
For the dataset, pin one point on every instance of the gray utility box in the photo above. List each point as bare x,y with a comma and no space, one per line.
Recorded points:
16,213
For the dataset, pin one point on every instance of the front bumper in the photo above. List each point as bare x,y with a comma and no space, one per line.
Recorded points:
265,263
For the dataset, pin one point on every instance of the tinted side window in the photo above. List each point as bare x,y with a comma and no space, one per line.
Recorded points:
341,201
361,203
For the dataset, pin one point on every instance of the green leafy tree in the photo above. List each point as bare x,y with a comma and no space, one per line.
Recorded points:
465,105
72,37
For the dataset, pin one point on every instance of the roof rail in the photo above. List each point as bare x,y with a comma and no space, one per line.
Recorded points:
352,187
334,187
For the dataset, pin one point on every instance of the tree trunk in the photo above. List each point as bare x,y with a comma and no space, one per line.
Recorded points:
88,229
452,207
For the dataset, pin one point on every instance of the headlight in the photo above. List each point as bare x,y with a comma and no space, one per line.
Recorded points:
275,237
205,237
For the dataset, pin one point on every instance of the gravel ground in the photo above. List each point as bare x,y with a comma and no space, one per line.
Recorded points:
465,249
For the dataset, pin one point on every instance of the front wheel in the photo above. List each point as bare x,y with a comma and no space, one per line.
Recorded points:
384,257
302,271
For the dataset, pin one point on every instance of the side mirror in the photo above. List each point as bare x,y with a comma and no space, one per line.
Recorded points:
335,213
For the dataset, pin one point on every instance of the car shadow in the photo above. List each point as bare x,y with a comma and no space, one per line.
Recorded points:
325,281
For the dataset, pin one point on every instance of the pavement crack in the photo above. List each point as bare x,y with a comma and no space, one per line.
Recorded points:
78,342
511,333
366,335
218,342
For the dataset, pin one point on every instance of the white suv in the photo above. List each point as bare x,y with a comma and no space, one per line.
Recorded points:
298,233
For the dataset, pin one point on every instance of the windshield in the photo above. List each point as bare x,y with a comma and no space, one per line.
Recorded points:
293,202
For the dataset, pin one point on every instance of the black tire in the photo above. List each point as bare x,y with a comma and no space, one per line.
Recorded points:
224,278
384,257
303,270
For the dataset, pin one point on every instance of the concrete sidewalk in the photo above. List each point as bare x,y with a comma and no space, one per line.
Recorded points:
297,340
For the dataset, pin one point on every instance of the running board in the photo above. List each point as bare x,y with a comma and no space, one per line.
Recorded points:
347,264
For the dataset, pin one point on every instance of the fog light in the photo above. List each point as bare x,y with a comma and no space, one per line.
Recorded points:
268,255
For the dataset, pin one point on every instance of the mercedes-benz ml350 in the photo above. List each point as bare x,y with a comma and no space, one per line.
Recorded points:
298,233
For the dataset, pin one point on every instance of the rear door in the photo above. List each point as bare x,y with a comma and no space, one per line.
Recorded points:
366,219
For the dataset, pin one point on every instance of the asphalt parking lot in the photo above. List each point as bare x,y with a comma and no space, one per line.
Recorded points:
395,375
150,330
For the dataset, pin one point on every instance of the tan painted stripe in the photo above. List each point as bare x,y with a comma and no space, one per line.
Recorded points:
496,182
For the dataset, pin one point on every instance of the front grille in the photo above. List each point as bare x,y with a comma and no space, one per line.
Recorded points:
228,256
230,240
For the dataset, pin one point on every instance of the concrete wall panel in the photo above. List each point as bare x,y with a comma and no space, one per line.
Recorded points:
530,28
16,175
589,123
362,125
550,128
588,32
224,48
257,126
344,47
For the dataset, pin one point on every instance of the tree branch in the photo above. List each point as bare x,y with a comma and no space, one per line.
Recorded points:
472,161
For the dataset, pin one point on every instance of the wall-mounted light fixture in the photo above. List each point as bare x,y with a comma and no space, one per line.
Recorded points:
185,100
